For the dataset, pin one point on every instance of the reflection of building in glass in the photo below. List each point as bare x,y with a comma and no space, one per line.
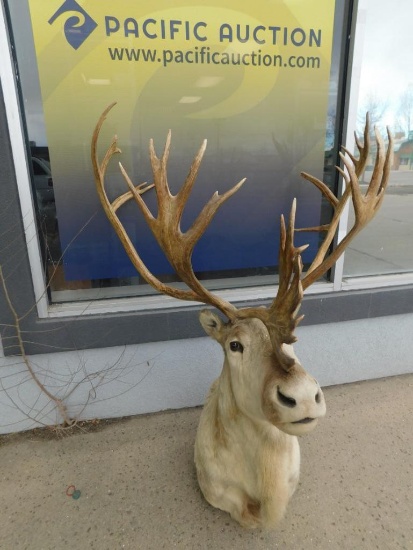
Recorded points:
403,151
403,156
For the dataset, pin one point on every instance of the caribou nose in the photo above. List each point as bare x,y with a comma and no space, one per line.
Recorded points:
285,399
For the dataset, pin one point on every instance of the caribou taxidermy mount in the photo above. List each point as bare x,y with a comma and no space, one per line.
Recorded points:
247,454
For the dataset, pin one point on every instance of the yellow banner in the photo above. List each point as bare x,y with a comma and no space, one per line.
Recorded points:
252,77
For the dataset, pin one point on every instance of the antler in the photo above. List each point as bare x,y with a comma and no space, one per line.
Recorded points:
365,206
176,245
281,317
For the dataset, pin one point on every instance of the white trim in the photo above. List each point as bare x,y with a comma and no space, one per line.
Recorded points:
377,281
158,301
11,101
351,126
235,296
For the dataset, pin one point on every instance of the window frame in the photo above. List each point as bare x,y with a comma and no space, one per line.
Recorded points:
82,325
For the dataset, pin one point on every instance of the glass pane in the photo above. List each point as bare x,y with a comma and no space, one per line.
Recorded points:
386,91
262,84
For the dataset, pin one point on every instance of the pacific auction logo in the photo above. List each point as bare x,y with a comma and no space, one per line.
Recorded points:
78,26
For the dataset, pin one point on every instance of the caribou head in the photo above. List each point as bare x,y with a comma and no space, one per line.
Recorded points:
267,383
246,454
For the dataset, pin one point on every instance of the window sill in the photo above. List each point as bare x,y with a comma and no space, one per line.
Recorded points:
181,322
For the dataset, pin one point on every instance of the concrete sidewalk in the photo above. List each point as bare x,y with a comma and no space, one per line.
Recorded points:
139,490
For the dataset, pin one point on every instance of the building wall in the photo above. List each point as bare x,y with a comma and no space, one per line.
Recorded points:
176,374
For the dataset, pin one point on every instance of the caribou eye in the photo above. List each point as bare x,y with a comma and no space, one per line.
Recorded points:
236,346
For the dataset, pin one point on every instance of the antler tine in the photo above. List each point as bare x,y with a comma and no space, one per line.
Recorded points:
125,197
321,186
288,262
159,168
363,148
185,191
283,311
387,166
380,176
134,192
99,168
208,212
365,205
282,314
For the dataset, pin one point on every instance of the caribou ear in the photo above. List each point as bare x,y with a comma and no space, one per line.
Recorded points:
211,323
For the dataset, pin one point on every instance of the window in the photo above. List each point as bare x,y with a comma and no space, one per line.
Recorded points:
265,96
385,90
